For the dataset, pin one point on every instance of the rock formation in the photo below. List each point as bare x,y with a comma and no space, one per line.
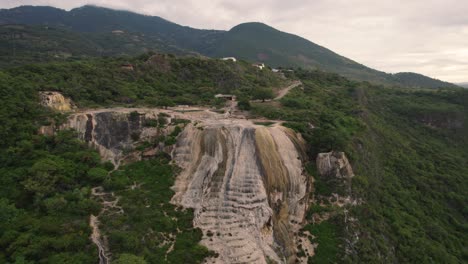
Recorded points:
56,101
247,186
334,164
114,132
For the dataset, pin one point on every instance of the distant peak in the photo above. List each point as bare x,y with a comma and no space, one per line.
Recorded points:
253,26
91,7
32,7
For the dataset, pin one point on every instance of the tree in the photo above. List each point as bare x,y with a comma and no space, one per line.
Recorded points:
43,177
263,94
244,104
130,259
165,102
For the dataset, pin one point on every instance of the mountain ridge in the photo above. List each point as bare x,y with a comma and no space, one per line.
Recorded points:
252,41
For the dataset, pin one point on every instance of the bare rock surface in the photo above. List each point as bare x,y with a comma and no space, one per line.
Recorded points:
247,186
114,131
334,164
56,101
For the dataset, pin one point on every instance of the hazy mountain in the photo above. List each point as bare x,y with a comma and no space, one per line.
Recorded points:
418,80
121,32
464,84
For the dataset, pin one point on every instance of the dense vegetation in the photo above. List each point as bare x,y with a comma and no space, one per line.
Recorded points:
44,184
409,151
77,31
24,44
412,79
150,226
154,80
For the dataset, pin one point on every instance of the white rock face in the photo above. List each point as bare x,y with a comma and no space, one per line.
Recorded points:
247,187
56,101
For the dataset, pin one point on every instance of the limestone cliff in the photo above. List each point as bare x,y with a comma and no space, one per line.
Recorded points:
247,186
115,132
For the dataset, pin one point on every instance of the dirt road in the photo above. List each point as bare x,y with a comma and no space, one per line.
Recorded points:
286,90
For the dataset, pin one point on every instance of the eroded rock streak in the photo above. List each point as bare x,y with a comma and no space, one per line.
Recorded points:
247,186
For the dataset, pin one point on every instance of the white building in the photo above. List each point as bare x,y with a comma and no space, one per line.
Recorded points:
259,65
230,97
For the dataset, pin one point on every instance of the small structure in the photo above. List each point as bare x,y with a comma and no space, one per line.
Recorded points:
229,59
127,66
229,97
117,32
275,70
259,65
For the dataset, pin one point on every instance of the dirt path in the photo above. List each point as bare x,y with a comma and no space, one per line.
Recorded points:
109,202
97,239
286,90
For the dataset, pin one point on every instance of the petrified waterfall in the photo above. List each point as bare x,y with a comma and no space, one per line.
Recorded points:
247,186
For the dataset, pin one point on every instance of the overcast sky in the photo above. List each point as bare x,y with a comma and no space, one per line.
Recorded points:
424,36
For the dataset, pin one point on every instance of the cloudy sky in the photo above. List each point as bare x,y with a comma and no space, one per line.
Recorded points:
425,36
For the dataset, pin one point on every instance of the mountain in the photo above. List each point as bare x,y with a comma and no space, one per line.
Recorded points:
464,84
117,32
260,42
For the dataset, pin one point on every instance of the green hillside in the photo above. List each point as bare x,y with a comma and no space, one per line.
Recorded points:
24,44
418,80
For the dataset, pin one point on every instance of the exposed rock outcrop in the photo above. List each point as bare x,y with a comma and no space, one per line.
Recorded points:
334,164
247,186
115,132
56,101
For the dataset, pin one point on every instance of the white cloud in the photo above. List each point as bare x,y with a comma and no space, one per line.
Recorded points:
425,36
